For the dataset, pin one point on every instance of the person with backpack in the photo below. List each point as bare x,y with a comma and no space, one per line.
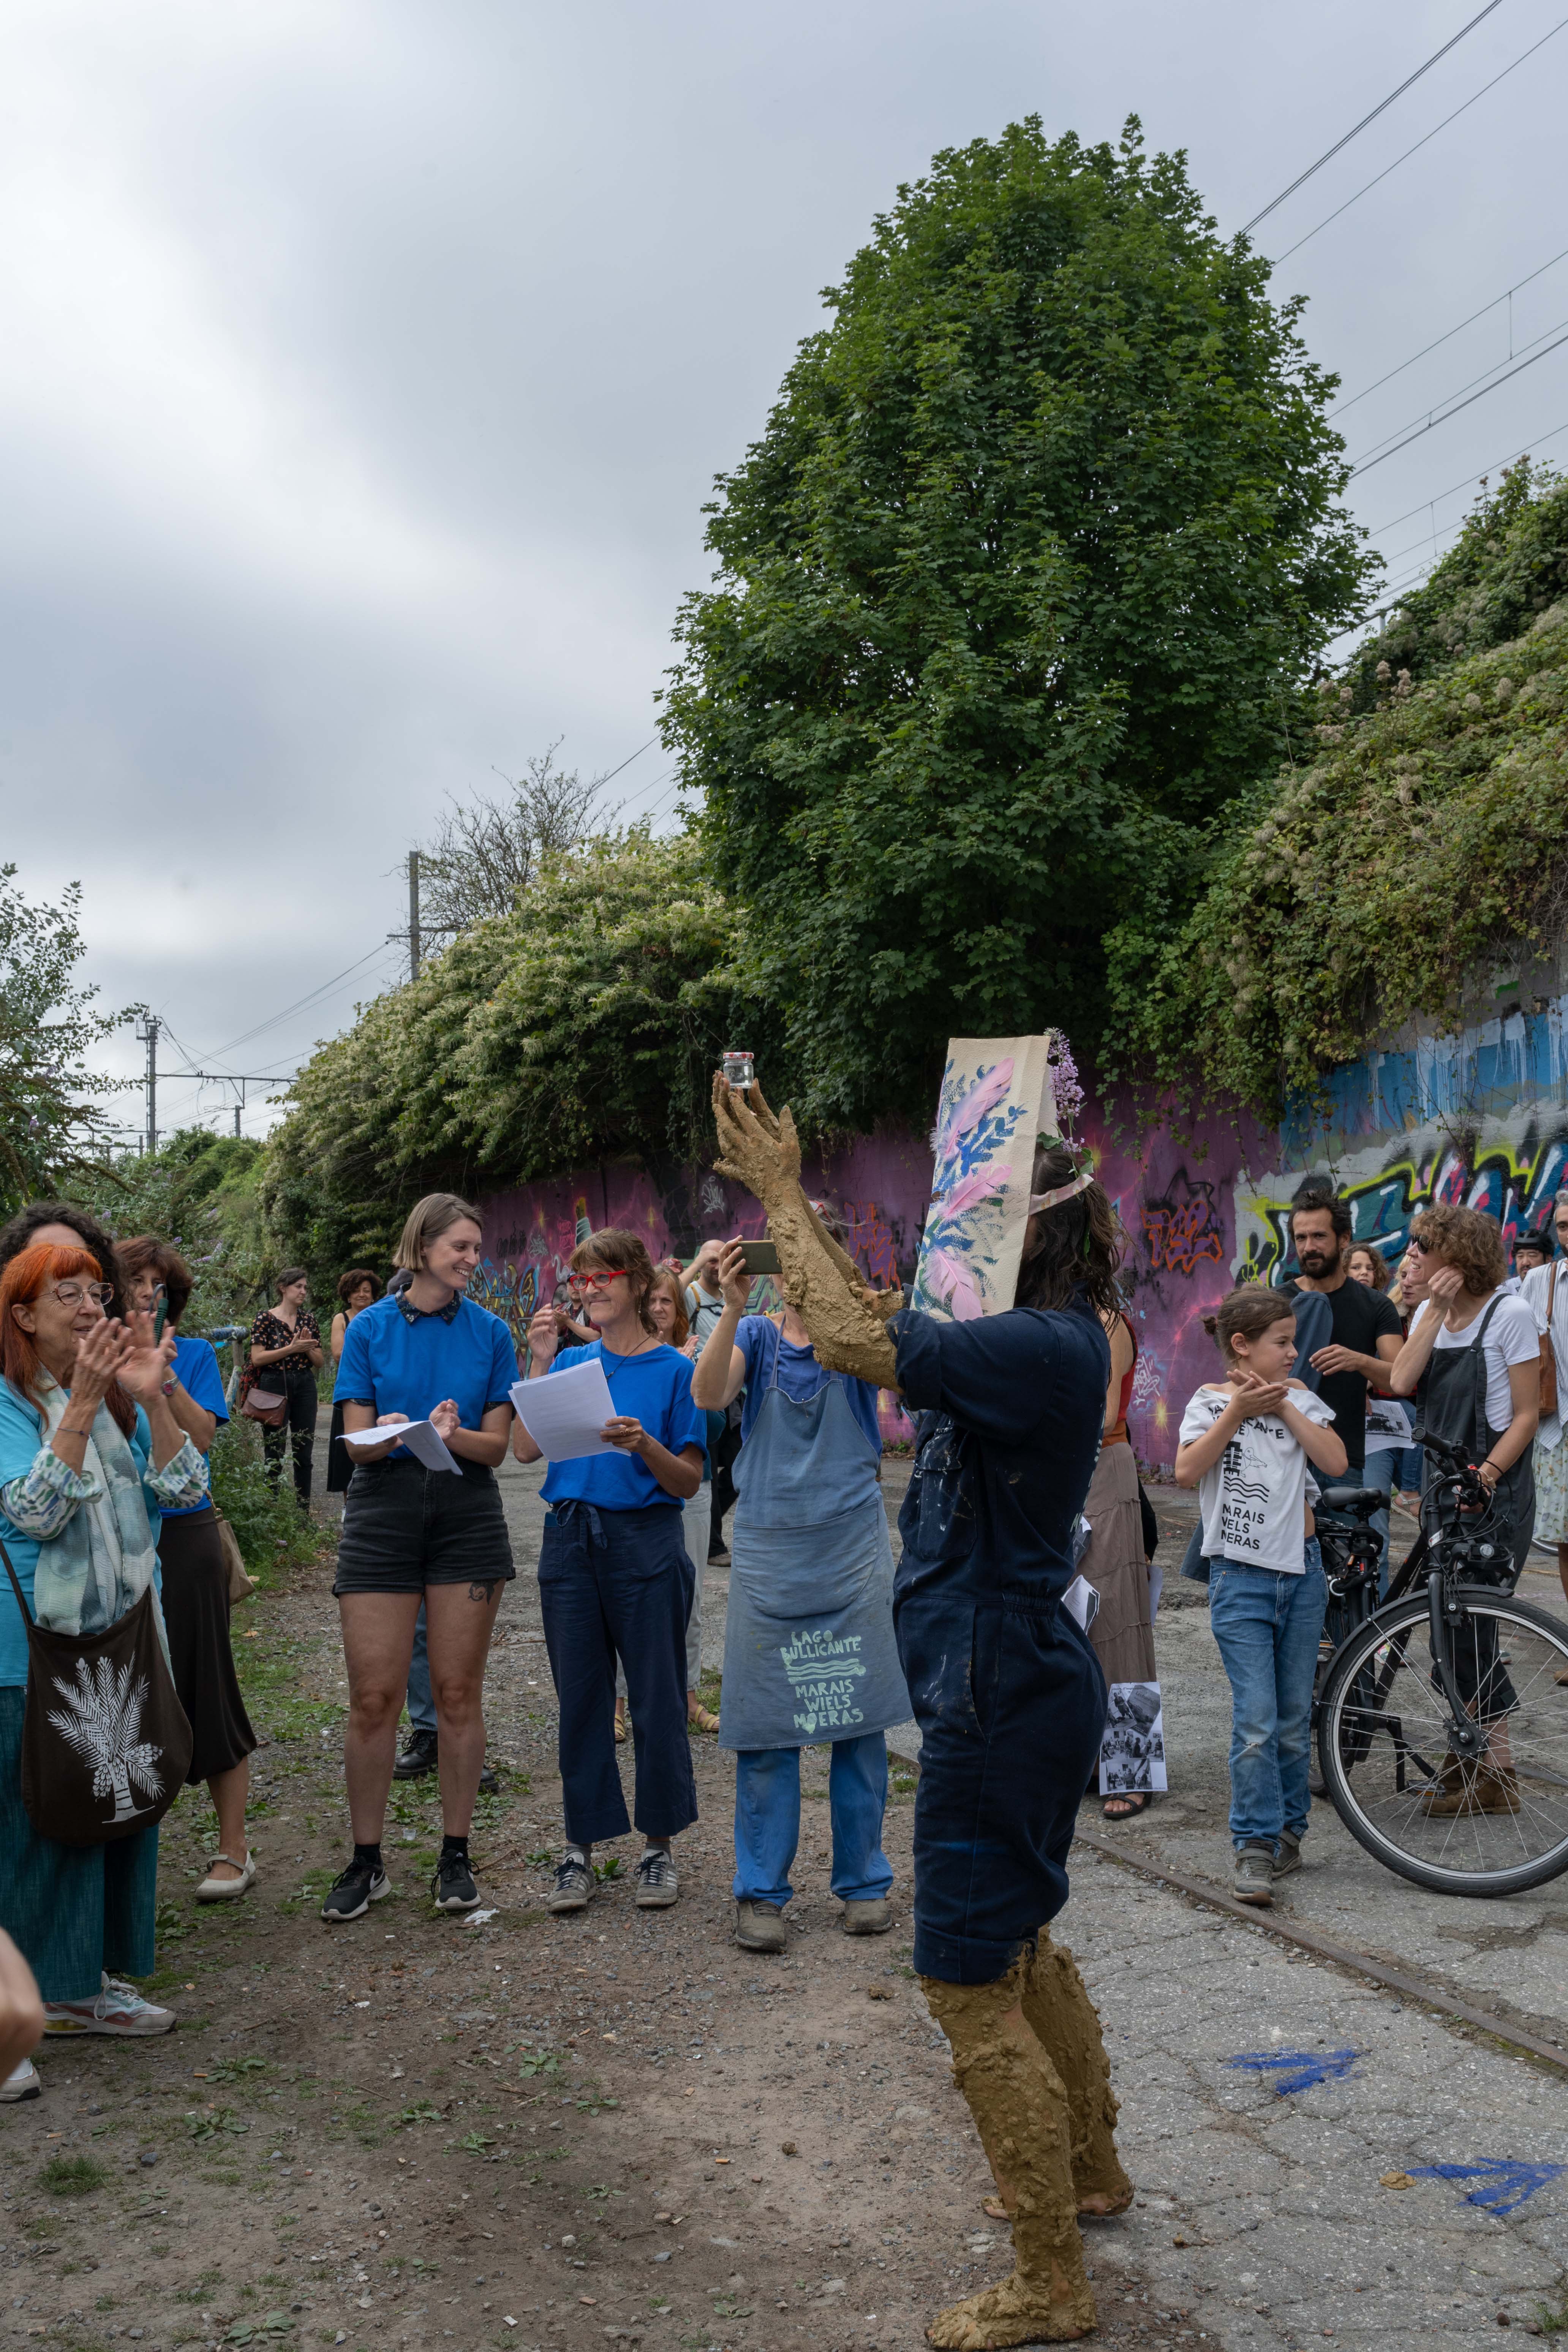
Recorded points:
1246,1444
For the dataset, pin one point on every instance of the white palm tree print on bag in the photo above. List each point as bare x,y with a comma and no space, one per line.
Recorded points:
100,1718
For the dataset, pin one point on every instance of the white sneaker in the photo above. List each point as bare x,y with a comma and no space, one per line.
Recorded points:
119,2010
224,1890
21,2083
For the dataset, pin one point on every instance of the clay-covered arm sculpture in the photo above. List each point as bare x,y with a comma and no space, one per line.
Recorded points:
846,1318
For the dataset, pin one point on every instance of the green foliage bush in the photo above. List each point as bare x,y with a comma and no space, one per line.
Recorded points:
1040,535
584,1026
271,1530
201,1191
1429,837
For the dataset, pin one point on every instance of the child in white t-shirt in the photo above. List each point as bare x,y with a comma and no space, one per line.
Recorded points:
1246,1444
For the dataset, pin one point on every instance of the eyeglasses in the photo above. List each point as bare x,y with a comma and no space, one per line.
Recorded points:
71,1294
602,1279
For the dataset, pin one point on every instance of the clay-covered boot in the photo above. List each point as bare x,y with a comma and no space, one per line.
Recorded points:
1060,2014
1020,2108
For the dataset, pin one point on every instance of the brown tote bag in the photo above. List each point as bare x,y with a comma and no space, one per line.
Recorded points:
105,1743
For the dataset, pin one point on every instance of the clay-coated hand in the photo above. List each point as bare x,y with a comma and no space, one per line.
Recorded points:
767,1164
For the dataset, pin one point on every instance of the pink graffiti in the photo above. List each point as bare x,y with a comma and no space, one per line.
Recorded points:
871,1243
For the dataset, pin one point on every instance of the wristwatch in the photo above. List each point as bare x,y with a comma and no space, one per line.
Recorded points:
172,1383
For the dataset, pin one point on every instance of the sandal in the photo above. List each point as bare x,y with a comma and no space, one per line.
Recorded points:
993,2208
1127,1804
620,1726
699,1718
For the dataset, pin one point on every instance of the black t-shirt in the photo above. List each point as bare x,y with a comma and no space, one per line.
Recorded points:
1361,1314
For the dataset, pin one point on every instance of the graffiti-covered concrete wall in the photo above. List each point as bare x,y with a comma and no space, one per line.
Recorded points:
1176,1201
1481,1118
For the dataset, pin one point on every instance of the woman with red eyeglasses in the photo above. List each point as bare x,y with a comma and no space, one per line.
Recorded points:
615,1577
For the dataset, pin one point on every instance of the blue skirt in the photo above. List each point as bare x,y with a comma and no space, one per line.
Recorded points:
75,1912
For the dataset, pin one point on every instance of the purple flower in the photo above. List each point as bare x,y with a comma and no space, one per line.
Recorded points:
1065,1081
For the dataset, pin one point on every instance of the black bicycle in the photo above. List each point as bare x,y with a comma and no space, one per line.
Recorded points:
1442,1712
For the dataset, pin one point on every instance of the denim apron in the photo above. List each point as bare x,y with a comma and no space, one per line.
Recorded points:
809,1653
1452,1403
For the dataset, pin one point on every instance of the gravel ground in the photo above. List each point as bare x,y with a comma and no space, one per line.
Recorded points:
621,2129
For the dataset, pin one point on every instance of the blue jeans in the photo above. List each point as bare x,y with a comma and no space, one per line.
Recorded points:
767,1820
421,1698
1268,1627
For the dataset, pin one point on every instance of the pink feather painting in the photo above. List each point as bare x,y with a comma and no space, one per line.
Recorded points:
995,1098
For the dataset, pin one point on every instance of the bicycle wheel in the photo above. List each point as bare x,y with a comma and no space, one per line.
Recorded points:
1494,1825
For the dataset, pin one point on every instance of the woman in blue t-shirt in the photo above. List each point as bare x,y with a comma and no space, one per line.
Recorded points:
614,1575
422,1537
809,1653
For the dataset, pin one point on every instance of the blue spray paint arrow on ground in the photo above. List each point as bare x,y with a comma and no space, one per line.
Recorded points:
1309,2067
1506,2185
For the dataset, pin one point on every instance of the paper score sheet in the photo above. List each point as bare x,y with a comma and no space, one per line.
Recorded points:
427,1445
564,1411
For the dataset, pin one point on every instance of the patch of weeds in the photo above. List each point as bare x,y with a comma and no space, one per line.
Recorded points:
475,2142
423,2111
724,2309
605,1871
902,1784
223,2175
537,2061
213,2123
267,2330
231,2070
107,2303
159,2249
42,2225
73,2175
541,1860
1555,2322
201,2290
172,1925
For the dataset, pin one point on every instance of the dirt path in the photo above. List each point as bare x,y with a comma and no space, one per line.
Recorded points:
528,2132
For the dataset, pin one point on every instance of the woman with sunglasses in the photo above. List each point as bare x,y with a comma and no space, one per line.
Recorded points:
615,1577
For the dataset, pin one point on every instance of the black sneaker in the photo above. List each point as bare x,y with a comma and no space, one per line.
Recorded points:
353,1891
453,1888
418,1756
488,1785
573,1887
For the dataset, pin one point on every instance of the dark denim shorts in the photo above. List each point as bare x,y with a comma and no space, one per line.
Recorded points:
405,1526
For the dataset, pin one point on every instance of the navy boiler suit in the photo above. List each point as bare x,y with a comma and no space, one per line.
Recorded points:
1007,1690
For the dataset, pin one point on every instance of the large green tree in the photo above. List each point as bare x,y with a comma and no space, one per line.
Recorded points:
1041,532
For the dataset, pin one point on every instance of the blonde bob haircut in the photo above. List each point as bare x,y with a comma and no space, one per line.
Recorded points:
436,1214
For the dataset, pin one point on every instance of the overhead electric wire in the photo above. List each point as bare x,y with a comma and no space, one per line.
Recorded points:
1367,390
1430,415
1457,408
1538,441
1302,177
1421,143
297,1006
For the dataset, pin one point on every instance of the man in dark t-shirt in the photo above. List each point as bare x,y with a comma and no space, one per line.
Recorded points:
1366,1332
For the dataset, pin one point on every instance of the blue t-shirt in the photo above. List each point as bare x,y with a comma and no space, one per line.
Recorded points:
21,1438
801,1377
195,1368
401,1362
654,1388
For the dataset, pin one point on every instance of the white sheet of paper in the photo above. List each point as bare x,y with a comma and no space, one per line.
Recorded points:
1081,1602
564,1413
425,1444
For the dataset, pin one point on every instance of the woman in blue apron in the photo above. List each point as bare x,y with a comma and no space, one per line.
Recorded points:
809,1653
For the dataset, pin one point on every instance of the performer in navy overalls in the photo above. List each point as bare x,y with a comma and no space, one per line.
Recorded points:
1005,1685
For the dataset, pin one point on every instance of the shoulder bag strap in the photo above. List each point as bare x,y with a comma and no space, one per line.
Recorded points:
15,1587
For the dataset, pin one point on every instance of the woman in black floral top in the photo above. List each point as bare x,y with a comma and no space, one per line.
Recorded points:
285,1350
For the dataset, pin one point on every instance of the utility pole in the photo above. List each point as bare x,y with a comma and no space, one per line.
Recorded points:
147,1029
414,914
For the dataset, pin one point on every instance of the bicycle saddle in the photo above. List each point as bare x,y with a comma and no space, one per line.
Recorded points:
1356,1502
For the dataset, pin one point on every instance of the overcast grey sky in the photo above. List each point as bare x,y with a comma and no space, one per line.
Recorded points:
364,368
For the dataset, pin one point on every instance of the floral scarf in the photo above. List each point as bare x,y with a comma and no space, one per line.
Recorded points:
103,1559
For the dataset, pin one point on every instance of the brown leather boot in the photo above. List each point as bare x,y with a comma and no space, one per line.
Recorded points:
1021,2111
1066,2023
